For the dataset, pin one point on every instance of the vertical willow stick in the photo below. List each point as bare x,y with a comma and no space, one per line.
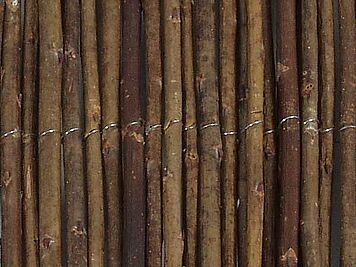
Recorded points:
172,152
327,87
347,131
29,120
310,136
134,185
76,209
10,137
210,146
153,66
254,134
289,138
191,158
242,88
109,60
92,137
50,80
270,155
229,127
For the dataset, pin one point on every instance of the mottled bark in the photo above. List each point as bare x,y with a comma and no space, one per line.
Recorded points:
310,135
347,131
109,24
29,127
190,146
326,98
270,145
49,144
134,184
92,137
153,68
289,134
10,137
210,146
76,208
228,113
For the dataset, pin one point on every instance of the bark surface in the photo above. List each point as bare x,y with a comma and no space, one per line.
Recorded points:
310,135
49,143
172,133
109,23
270,153
254,134
191,158
29,145
76,208
134,184
228,113
10,137
348,134
326,97
153,153
92,104
242,122
210,146
289,134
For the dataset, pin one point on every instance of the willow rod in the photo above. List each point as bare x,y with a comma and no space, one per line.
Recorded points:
109,23
210,146
254,135
229,127
92,106
73,154
326,96
10,145
29,119
347,131
270,145
310,135
172,149
289,134
190,157
153,65
242,122
134,184
49,126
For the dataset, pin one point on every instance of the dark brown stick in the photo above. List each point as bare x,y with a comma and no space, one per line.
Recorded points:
270,153
76,209
92,105
51,58
109,60
10,140
289,139
310,135
229,127
191,158
242,122
153,66
347,131
210,146
29,122
327,88
134,185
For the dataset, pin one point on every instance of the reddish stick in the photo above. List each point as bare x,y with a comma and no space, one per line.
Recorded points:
134,184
